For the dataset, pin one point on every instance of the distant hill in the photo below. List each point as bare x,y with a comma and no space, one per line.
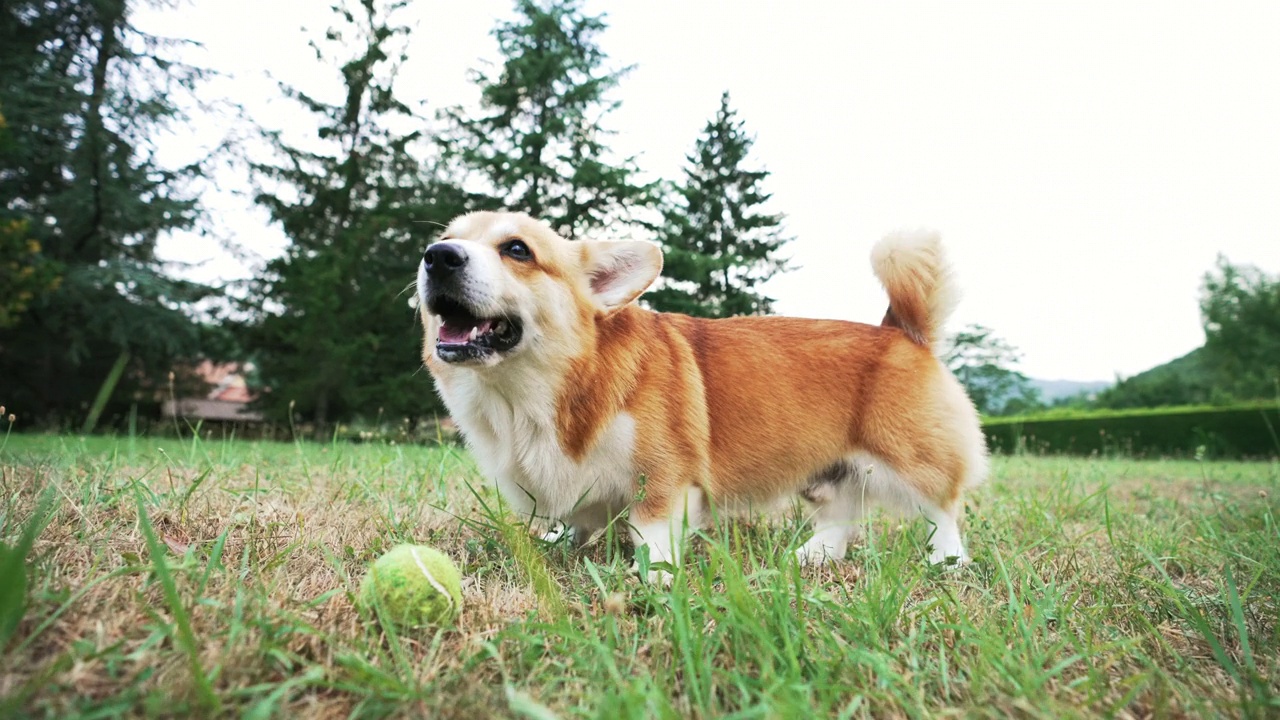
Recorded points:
1181,381
1051,390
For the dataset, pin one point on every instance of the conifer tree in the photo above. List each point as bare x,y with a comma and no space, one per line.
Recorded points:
719,244
333,336
84,99
538,145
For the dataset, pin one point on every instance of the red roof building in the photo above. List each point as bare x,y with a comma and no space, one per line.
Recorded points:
226,401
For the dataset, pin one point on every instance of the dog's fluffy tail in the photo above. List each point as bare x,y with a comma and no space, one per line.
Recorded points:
915,272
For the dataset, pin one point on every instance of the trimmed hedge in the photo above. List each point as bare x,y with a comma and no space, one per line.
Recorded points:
1241,432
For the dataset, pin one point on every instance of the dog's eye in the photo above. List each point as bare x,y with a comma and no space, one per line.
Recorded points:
517,250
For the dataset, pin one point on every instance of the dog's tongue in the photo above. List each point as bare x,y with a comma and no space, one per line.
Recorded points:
461,332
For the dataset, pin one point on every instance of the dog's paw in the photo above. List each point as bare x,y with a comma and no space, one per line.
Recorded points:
811,554
661,578
657,576
950,563
561,531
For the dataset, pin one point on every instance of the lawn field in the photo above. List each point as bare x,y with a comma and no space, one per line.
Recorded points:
181,578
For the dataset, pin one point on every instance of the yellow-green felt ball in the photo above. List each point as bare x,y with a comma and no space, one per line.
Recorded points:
413,586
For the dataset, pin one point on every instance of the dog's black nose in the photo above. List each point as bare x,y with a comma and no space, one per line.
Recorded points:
443,259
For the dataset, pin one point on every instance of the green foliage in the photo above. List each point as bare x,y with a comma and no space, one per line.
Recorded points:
83,200
719,247
333,334
537,144
1182,381
1240,360
984,364
1245,431
25,273
1240,305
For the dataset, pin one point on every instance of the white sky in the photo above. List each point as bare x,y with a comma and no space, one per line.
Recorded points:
1085,162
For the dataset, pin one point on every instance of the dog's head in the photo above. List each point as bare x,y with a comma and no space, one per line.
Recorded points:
498,285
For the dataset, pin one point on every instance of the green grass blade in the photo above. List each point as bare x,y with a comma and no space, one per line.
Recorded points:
184,636
13,567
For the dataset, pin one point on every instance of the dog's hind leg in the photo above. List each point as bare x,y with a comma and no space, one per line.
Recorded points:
839,492
663,527
945,544
926,490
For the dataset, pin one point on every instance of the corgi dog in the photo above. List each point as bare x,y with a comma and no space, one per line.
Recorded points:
579,404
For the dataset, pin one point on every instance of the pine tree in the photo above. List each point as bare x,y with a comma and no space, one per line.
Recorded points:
720,247
83,201
539,146
334,336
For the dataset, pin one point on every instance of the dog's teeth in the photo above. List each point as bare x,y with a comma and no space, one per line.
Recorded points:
500,327
474,333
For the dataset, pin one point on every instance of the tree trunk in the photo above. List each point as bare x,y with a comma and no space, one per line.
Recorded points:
112,14
322,413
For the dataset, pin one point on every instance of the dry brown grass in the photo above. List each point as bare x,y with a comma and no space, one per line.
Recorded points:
1098,587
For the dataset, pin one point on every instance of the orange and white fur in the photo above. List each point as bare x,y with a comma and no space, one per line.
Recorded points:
580,404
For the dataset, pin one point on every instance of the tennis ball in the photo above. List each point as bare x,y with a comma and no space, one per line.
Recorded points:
413,586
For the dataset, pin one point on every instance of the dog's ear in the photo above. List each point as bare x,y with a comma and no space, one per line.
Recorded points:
619,271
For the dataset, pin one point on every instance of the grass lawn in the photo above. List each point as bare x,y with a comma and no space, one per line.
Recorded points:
1099,588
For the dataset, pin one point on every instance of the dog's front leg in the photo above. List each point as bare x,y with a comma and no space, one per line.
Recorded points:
561,531
661,522
575,534
582,526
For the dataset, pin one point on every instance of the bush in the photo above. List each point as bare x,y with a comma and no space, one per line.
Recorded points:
1239,432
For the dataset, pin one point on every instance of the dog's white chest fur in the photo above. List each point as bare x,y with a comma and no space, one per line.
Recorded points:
511,430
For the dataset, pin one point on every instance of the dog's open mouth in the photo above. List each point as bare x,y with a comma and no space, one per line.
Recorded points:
465,336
